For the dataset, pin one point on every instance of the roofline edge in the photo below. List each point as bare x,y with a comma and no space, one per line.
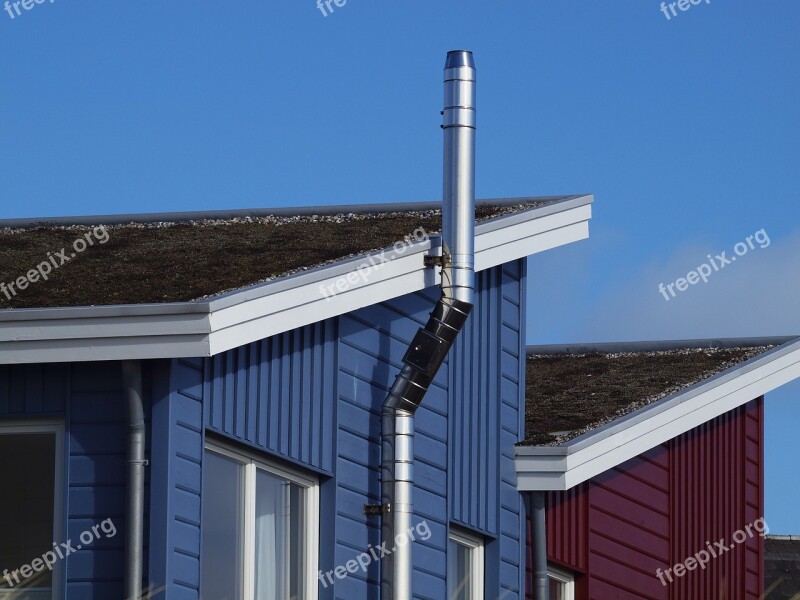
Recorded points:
656,345
288,211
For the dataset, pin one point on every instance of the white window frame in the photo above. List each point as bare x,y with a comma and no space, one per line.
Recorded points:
251,465
55,428
476,545
565,578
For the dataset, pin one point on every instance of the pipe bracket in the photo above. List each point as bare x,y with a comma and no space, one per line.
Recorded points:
432,261
377,510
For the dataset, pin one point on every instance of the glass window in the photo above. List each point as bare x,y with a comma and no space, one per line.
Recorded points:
28,518
259,529
562,584
464,566
223,527
280,533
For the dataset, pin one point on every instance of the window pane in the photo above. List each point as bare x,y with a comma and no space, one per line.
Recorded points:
557,591
223,525
280,531
26,510
460,584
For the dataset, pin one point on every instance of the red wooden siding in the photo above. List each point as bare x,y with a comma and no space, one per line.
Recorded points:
662,507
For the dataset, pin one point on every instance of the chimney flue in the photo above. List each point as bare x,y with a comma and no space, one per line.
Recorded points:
458,202
430,345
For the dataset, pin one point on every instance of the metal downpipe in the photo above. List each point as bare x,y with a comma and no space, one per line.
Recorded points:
134,513
541,584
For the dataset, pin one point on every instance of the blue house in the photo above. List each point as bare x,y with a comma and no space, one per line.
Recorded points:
273,405
261,403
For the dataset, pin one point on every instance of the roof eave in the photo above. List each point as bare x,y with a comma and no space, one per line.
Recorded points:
208,327
558,468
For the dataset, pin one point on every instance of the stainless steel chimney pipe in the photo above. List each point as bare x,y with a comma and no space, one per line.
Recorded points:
431,344
458,207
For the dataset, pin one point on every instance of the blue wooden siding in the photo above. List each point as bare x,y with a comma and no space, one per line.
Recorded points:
372,344
278,395
313,397
88,398
479,388
177,456
487,420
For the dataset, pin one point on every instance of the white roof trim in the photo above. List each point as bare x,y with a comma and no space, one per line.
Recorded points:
208,327
541,468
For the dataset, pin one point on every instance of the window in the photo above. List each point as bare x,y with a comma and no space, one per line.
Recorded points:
30,515
464,566
259,529
562,584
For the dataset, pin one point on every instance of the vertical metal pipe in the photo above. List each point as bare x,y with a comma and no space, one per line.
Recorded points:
458,204
134,513
541,584
398,441
430,346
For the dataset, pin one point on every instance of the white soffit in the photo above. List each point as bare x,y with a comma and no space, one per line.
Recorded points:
543,468
208,327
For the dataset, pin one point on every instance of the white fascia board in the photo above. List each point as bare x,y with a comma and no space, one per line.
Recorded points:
544,468
83,334
402,273
208,327
106,348
310,299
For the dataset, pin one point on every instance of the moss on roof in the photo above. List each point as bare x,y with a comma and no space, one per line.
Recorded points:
782,567
174,262
568,395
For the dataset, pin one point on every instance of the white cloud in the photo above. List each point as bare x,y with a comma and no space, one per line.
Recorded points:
757,295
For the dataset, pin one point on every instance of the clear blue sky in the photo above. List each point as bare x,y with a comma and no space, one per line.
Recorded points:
686,130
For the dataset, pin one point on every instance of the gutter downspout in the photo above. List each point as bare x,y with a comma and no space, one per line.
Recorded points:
431,344
541,583
134,513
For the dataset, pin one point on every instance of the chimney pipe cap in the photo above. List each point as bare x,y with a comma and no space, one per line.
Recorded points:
459,58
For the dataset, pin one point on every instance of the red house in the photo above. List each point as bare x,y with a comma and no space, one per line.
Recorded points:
643,468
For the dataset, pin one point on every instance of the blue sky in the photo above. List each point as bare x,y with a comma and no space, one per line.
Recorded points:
684,129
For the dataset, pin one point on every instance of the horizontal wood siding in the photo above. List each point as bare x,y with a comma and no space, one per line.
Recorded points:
88,397
511,406
174,568
662,507
372,344
278,395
